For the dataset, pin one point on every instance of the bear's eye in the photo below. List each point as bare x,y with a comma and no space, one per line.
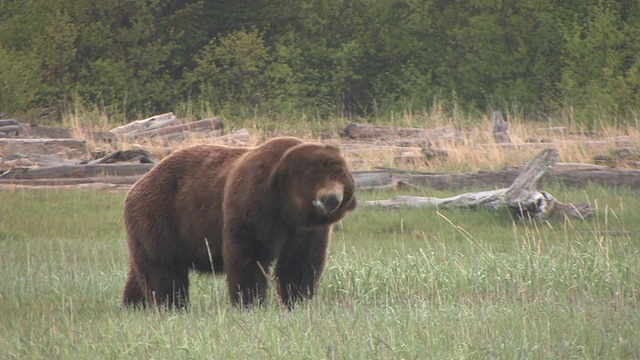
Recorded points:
333,177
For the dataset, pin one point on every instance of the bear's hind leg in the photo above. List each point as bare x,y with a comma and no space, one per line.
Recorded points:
167,287
298,270
133,294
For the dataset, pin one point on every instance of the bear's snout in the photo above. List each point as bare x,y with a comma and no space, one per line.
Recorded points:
329,199
330,203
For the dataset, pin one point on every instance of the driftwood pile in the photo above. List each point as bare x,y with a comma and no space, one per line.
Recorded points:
51,156
166,128
32,156
166,131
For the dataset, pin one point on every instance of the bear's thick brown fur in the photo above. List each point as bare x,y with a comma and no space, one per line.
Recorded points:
235,210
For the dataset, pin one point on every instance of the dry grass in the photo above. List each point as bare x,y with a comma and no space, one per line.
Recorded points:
475,150
82,120
472,150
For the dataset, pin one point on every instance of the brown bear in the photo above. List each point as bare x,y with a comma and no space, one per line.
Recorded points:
236,211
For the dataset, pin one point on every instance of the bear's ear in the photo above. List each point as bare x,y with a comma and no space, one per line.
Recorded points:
333,148
281,172
277,177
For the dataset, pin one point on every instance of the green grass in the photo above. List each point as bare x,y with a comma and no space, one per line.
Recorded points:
411,283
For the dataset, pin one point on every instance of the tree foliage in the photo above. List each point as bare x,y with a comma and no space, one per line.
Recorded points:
355,57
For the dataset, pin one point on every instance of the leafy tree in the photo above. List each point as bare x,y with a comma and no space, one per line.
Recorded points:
601,65
241,70
17,79
321,56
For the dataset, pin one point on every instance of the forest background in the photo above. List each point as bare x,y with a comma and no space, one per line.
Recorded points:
321,58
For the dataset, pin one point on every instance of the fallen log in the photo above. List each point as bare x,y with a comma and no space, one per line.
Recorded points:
54,132
7,122
84,186
77,171
419,141
211,124
604,143
624,178
151,123
369,179
478,180
116,180
20,159
626,156
188,135
358,131
46,132
42,146
522,198
133,155
376,180
9,130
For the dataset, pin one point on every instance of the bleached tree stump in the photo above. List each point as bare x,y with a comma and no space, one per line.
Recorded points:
522,198
500,128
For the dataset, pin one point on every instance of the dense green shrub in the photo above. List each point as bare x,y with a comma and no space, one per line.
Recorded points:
357,57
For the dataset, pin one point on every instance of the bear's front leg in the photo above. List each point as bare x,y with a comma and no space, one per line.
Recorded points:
246,276
301,265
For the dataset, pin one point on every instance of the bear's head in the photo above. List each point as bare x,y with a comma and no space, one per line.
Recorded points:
316,184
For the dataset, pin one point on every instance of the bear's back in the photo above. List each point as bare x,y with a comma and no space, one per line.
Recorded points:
186,172
182,195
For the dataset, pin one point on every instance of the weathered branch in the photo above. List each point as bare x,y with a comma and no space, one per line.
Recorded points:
522,198
133,155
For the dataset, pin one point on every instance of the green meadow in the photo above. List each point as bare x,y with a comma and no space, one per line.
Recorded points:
404,284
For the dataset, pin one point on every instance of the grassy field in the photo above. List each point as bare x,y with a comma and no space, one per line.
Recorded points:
405,284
